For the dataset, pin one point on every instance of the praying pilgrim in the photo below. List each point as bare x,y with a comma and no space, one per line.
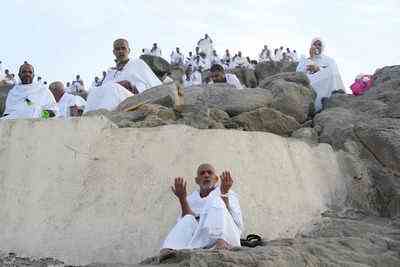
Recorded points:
210,217
128,77
218,75
29,99
68,105
322,71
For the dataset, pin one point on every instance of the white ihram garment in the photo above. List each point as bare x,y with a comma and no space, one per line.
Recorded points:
195,79
214,222
137,72
325,81
67,101
108,96
28,101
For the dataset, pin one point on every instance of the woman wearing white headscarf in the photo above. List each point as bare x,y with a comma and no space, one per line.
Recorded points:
322,71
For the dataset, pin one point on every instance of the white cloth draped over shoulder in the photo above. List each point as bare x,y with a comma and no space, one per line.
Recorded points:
325,81
67,101
137,72
108,96
26,101
212,221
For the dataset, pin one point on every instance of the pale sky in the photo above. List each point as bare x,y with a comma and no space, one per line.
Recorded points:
62,38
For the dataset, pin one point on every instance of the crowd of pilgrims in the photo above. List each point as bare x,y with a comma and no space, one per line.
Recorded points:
211,216
35,98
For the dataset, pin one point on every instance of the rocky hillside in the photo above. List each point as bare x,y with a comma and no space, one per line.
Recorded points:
363,232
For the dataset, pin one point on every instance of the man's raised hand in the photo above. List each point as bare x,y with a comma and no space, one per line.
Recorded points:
179,188
226,182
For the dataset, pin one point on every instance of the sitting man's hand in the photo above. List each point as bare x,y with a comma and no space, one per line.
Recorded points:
127,85
179,188
226,182
313,68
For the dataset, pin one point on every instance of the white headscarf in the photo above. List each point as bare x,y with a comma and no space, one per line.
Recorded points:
322,44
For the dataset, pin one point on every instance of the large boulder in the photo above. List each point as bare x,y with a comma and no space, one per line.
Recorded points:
158,65
267,69
290,96
246,76
266,120
221,96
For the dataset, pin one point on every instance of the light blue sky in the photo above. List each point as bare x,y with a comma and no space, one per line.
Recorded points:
64,37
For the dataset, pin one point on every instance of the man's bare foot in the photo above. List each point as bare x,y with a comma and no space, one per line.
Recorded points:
222,245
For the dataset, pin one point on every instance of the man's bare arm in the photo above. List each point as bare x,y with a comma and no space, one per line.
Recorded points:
226,184
179,190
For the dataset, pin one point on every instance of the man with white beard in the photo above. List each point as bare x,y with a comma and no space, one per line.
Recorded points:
322,71
29,99
210,217
69,105
128,77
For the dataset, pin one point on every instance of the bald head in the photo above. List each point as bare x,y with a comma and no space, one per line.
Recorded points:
26,73
57,89
121,50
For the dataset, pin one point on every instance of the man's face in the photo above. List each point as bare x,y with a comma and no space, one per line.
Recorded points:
26,74
121,50
217,76
206,178
318,44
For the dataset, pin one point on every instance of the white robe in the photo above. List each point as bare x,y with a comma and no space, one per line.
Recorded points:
206,46
325,81
67,101
156,52
177,58
26,101
232,80
195,79
204,63
137,72
215,222
108,96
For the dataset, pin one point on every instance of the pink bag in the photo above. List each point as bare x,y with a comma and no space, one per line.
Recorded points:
361,85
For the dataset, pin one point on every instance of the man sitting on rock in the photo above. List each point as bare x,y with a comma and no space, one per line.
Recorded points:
29,99
191,77
69,105
210,218
322,71
128,77
218,75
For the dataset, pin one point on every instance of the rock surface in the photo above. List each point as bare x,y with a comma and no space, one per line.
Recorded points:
267,69
158,65
97,193
247,77
3,97
368,126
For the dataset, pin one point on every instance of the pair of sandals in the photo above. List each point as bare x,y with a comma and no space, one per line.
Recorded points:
252,241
